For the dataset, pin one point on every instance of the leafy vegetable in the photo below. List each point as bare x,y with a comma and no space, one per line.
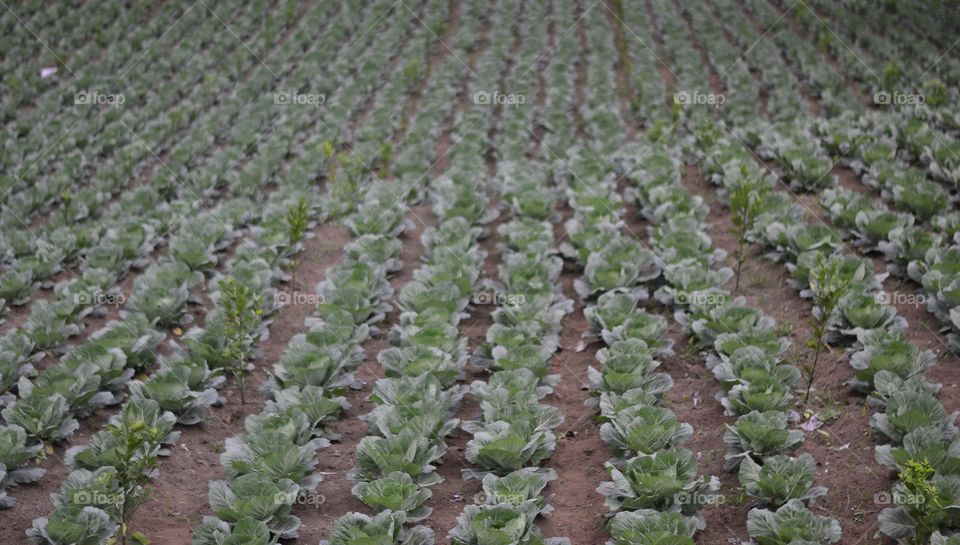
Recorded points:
16,456
647,526
757,435
665,480
385,528
644,429
396,491
780,479
790,524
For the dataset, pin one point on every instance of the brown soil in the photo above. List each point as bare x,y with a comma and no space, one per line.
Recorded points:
580,453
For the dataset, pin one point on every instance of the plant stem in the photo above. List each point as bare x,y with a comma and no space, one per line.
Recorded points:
813,369
123,520
240,381
739,265
293,274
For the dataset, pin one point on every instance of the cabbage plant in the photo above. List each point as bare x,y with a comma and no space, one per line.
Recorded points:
749,364
928,444
500,523
274,458
49,326
406,452
259,497
247,531
47,417
627,365
17,454
907,410
623,263
395,491
73,525
729,318
651,526
780,479
887,350
665,480
761,394
384,528
644,429
612,308
501,447
519,487
791,524
757,435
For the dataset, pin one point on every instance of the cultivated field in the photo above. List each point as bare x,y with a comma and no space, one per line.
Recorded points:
480,272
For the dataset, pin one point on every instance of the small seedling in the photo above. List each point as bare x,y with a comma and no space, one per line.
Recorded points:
891,75
924,505
66,198
137,459
386,157
784,329
707,135
297,218
746,204
345,187
242,315
329,150
935,92
828,287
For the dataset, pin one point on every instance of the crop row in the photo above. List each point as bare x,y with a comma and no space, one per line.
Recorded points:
230,330
127,241
123,126
851,304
